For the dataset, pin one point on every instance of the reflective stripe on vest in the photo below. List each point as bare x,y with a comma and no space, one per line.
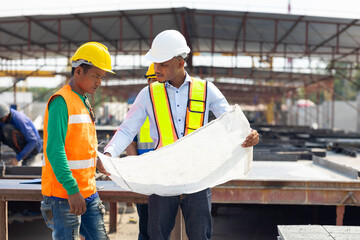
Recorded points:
80,148
162,111
196,106
144,139
163,117
81,164
78,164
79,118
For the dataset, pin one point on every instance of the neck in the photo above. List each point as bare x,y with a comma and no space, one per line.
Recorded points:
178,80
75,87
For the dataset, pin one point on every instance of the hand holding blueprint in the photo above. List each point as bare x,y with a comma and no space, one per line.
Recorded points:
210,156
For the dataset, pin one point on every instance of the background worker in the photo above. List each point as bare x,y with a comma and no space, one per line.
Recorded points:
178,104
71,205
20,134
142,144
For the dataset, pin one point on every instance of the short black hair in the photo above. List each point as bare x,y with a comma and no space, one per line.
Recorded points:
85,67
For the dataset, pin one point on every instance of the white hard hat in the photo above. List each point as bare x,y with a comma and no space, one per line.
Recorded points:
4,109
166,45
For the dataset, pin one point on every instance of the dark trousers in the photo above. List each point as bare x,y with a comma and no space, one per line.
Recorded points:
195,207
142,210
12,137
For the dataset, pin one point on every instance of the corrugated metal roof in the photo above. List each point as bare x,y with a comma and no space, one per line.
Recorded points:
210,31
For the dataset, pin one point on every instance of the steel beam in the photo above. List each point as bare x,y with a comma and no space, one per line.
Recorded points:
352,23
282,38
93,29
26,40
142,37
50,30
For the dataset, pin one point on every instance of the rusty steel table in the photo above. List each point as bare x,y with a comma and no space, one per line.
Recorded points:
256,188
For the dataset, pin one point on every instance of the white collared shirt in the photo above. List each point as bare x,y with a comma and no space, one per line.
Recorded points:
142,107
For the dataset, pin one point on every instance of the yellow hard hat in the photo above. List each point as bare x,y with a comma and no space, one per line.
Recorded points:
150,72
93,53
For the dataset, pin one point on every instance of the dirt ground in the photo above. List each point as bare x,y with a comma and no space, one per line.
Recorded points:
33,227
230,222
128,224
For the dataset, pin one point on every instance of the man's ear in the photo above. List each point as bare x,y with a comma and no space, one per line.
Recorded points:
181,63
78,70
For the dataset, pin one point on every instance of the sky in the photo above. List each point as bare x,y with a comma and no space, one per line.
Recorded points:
325,8
331,8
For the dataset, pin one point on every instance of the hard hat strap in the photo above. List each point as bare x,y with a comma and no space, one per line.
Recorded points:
77,63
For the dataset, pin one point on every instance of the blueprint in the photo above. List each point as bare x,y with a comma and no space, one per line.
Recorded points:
210,156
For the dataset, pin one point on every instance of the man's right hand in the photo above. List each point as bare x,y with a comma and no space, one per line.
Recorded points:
77,204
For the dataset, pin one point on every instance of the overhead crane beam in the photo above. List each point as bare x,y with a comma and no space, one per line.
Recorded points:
24,74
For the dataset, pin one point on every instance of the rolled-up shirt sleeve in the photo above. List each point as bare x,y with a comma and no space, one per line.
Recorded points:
217,102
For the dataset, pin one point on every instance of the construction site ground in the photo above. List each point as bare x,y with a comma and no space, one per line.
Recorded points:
230,222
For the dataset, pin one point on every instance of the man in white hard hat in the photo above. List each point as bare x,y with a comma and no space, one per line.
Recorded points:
178,105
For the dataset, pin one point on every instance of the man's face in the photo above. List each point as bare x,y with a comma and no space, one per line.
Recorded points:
90,80
3,119
168,70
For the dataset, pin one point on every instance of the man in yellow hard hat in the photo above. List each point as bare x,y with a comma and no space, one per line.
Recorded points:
141,144
71,206
178,105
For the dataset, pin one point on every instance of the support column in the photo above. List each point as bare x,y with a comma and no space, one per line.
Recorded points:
3,220
113,216
340,210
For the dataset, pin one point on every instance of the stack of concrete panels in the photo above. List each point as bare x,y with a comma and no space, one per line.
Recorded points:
318,232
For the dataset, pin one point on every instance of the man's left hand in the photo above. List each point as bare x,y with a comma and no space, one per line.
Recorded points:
252,139
101,168
14,162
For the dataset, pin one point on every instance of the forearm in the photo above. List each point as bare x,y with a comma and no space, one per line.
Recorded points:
131,150
29,147
118,143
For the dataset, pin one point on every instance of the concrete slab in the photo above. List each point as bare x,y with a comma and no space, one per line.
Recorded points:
353,162
318,232
300,170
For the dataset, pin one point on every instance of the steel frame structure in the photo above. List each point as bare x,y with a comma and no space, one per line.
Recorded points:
208,32
234,33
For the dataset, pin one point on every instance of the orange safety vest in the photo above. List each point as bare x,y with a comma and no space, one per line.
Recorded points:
164,120
80,145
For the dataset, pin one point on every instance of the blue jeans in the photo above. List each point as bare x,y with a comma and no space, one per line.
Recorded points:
68,226
195,207
142,210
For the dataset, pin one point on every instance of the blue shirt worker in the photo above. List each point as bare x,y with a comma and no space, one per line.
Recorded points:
20,134
176,105
142,144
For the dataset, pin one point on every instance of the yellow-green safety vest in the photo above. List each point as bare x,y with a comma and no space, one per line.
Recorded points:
195,110
145,142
